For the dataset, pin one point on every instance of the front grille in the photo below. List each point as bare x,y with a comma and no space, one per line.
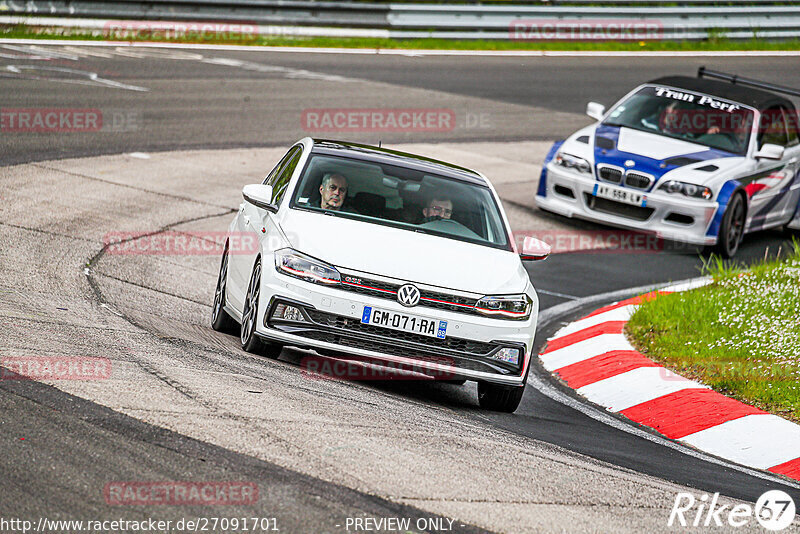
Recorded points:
637,180
475,348
404,352
617,208
610,174
428,299
350,332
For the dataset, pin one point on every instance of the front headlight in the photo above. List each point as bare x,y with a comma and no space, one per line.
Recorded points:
573,162
505,306
289,261
689,190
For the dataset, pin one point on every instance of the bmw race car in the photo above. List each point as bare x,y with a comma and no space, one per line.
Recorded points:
368,254
694,160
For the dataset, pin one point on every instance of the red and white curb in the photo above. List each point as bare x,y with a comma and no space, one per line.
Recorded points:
593,357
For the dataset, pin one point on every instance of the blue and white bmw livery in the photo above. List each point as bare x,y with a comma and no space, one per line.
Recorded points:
692,160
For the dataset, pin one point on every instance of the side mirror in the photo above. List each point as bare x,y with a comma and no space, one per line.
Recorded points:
769,151
259,195
595,110
534,249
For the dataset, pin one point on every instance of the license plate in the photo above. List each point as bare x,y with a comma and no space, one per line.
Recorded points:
620,195
403,322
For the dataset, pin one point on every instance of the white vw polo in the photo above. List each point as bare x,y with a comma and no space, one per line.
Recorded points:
374,255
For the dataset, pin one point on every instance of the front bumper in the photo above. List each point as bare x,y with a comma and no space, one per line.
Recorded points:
332,324
671,217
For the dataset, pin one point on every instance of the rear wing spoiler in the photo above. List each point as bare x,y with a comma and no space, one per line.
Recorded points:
703,72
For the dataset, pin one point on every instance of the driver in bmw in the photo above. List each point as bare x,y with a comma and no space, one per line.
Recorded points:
437,208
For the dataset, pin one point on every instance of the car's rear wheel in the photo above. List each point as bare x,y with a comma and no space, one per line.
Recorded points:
732,229
220,320
499,398
247,335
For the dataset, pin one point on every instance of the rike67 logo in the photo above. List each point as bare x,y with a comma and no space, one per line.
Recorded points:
774,510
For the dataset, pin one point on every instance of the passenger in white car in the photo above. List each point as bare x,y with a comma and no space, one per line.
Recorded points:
437,208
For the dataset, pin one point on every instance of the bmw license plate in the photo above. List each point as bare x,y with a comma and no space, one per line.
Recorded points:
620,195
403,322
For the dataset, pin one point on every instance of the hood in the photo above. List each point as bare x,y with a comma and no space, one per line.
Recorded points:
703,173
405,255
658,155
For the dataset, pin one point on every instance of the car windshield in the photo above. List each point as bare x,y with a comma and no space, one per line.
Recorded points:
400,197
688,116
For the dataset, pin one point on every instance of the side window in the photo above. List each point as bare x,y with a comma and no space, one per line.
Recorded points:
281,181
270,179
773,127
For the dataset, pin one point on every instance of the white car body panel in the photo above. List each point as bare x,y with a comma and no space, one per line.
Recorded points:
384,251
654,146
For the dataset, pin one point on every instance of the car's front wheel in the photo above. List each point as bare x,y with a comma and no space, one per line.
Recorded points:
220,320
732,229
499,398
250,341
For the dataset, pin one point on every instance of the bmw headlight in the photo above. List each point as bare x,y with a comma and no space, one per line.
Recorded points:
689,190
573,162
289,261
505,306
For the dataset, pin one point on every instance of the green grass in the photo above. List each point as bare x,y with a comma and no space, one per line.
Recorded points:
740,335
714,43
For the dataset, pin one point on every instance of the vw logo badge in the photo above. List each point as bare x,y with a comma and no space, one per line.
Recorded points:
629,163
408,295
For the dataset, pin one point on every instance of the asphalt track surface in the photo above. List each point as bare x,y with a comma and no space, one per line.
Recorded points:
224,101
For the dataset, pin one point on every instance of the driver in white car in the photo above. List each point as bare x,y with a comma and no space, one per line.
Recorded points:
437,208
333,191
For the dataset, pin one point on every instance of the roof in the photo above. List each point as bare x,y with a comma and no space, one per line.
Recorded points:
748,96
395,157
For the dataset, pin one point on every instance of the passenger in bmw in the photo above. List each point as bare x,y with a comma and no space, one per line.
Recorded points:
665,119
682,119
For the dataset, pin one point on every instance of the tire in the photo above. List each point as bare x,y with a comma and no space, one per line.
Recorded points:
220,320
732,229
499,398
247,333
